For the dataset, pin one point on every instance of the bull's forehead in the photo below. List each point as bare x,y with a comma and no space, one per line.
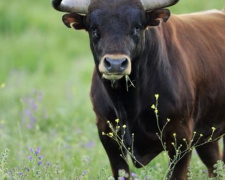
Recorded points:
127,12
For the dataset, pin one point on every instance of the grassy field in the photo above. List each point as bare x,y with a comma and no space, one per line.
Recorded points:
47,126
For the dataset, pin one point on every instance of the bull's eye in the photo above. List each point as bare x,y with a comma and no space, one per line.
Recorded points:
136,30
95,32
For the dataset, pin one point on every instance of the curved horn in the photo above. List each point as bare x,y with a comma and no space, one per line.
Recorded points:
76,6
157,4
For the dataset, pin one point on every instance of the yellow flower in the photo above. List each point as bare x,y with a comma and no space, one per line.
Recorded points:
156,111
168,120
2,85
172,143
184,139
156,96
124,126
213,128
201,135
110,134
153,106
103,133
117,120
174,134
194,132
108,121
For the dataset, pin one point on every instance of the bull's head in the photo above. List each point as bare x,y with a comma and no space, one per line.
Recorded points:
116,29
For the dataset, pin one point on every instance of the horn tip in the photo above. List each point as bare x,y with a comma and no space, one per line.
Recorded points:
56,4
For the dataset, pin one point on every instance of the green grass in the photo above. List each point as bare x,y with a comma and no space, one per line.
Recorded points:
47,69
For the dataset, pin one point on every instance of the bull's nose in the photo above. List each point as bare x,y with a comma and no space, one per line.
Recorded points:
115,65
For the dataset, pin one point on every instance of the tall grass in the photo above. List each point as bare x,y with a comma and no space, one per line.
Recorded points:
45,76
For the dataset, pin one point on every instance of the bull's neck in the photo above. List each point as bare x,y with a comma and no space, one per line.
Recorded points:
154,64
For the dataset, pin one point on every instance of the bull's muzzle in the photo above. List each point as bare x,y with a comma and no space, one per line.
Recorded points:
114,67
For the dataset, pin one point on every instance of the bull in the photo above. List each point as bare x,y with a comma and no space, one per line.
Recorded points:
179,57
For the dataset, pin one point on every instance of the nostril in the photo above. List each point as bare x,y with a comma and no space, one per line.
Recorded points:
107,64
124,64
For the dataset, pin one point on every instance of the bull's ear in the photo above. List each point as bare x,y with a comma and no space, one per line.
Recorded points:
75,21
154,17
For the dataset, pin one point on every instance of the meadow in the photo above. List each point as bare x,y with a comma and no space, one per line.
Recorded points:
47,126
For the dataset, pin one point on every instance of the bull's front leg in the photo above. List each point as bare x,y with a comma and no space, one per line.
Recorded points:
180,169
179,152
113,150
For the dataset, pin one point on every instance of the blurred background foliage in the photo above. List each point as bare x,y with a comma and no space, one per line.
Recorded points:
45,77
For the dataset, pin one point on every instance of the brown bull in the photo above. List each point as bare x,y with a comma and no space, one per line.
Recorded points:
179,57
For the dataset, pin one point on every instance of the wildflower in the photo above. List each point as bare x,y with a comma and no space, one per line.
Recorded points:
37,151
156,111
174,134
168,120
172,143
194,132
153,106
117,120
184,139
132,134
103,133
84,173
108,121
156,96
31,150
2,85
201,135
133,174
213,128
110,134
29,158
124,126
20,173
39,163
40,157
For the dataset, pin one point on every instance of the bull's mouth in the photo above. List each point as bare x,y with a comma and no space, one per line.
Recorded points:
112,76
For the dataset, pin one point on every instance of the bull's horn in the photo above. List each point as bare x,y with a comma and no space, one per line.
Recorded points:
156,4
76,6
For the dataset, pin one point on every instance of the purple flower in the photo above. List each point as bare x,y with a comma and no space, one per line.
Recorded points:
31,150
20,173
29,158
84,173
37,151
39,163
133,174
48,163
33,104
40,157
